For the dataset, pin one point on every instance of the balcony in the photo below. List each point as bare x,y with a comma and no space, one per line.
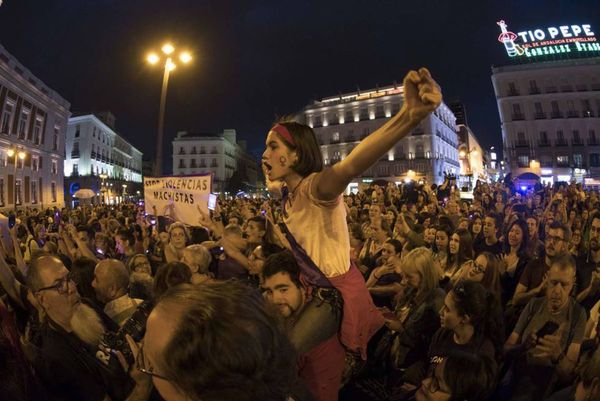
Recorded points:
556,114
334,141
202,151
577,142
513,92
93,155
534,91
588,114
75,154
551,89
193,152
540,116
518,117
593,142
572,114
561,142
521,144
542,143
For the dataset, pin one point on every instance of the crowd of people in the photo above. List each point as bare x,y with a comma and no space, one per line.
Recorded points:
396,292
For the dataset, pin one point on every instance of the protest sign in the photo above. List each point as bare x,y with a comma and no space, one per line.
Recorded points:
177,197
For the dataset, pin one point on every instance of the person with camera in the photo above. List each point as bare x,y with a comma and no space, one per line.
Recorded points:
70,335
545,344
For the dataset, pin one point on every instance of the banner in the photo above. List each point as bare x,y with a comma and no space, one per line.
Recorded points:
178,197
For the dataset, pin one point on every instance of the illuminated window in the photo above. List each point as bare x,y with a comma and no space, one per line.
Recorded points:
18,195
562,161
7,114
523,161
23,123
335,137
53,191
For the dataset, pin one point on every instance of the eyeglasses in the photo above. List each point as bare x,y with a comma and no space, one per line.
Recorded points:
477,268
140,364
61,286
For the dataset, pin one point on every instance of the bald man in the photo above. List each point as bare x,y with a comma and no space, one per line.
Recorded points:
111,283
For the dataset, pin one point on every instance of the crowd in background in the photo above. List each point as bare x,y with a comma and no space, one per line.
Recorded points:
496,297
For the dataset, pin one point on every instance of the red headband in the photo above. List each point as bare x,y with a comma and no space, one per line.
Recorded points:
284,133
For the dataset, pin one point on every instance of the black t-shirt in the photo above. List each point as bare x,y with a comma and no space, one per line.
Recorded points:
482,246
442,344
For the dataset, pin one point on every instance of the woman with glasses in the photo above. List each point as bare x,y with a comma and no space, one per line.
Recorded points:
461,376
484,269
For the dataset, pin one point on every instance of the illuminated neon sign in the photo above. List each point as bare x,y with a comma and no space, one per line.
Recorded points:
549,41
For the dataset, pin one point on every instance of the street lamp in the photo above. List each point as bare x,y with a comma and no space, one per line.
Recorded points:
18,153
103,187
153,58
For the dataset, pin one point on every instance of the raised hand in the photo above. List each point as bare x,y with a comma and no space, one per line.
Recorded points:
422,95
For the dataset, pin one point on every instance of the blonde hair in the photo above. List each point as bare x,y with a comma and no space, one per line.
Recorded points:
420,260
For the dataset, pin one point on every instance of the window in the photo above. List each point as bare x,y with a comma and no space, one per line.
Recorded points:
594,159
23,123
18,192
562,161
543,136
94,132
34,163
517,115
214,163
335,137
512,89
533,88
560,137
592,136
1,191
55,139
54,167
33,191
78,130
7,114
53,191
75,170
37,130
577,160
181,163
576,137
521,136
523,161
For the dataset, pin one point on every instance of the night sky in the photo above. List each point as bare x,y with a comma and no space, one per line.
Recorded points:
255,60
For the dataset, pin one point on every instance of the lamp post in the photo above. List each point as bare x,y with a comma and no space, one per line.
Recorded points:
153,58
18,154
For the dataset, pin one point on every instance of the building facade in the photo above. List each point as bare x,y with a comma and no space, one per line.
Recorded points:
341,122
98,158
550,117
33,122
221,155
471,157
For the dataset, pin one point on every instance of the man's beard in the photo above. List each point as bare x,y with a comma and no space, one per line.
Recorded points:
594,244
87,325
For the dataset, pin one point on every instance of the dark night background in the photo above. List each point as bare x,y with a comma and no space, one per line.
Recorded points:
255,60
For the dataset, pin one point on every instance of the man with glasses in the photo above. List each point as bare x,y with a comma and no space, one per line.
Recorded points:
534,278
70,335
547,338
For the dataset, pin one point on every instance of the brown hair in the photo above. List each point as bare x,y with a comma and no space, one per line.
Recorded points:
310,159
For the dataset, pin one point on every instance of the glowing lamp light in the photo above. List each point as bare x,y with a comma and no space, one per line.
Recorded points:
21,155
168,48
523,188
153,58
185,57
462,153
10,152
170,65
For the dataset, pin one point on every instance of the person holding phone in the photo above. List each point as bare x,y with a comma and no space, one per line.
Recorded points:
550,331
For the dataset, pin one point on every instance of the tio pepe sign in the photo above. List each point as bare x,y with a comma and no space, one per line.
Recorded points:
552,40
